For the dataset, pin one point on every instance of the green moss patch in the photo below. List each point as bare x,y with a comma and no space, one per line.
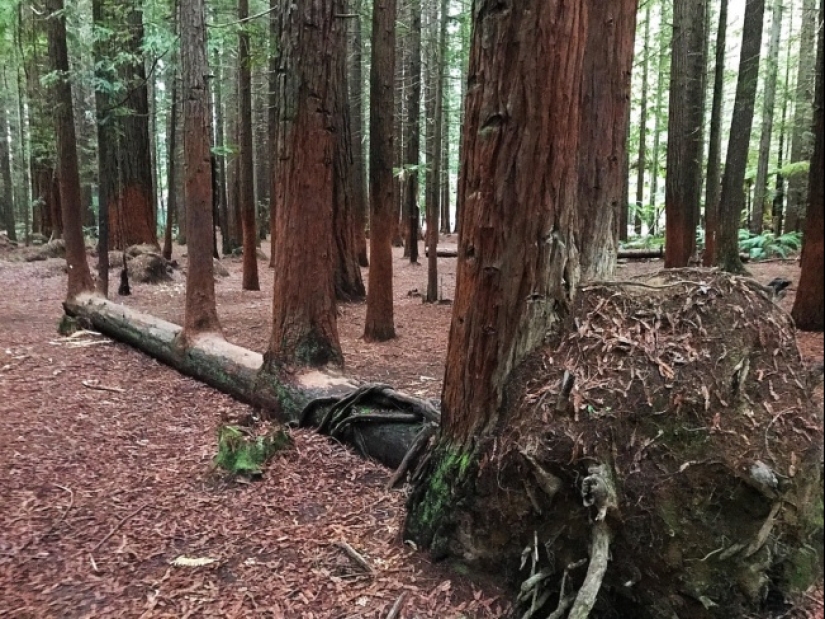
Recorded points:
244,451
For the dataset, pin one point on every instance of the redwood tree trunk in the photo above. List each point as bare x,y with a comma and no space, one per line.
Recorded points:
809,306
509,288
605,100
304,331
200,315
132,217
732,199
246,187
683,184
356,89
715,139
349,285
380,324
411,157
80,278
802,139
760,189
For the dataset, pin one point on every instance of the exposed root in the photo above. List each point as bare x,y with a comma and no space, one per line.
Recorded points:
419,444
599,556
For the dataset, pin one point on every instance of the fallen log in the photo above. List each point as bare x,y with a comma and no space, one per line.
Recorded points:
238,372
451,251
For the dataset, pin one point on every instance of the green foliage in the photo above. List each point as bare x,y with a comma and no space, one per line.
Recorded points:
242,451
645,242
768,245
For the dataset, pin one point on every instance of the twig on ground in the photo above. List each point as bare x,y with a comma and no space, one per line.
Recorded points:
92,385
355,556
396,608
117,526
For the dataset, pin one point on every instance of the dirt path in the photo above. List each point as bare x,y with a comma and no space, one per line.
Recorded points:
105,483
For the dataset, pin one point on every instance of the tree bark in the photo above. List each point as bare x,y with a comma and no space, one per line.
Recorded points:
605,100
80,278
768,104
349,285
662,77
200,314
304,330
731,202
518,254
809,306
7,218
802,140
434,156
246,187
683,184
714,171
132,216
356,84
641,161
411,158
380,324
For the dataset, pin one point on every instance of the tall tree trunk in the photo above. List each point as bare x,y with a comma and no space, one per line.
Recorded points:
768,104
380,324
200,314
731,201
714,171
802,140
304,330
132,216
80,278
683,184
260,104
641,160
399,138
246,180
779,193
220,146
662,79
510,289
25,147
411,158
356,83
434,159
273,120
809,306
349,285
171,171
605,99
106,152
231,128
7,218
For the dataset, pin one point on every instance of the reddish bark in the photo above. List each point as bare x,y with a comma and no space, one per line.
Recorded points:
715,140
380,324
518,255
80,278
200,315
349,285
132,217
683,184
304,330
246,187
809,306
605,97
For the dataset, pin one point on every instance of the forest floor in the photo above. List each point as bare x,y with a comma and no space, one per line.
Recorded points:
107,478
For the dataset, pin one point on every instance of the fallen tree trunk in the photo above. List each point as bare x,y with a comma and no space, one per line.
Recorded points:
237,372
451,251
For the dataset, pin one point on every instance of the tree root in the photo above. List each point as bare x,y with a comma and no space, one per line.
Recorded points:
340,416
599,556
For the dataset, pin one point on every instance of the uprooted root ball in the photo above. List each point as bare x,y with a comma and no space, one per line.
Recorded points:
689,386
